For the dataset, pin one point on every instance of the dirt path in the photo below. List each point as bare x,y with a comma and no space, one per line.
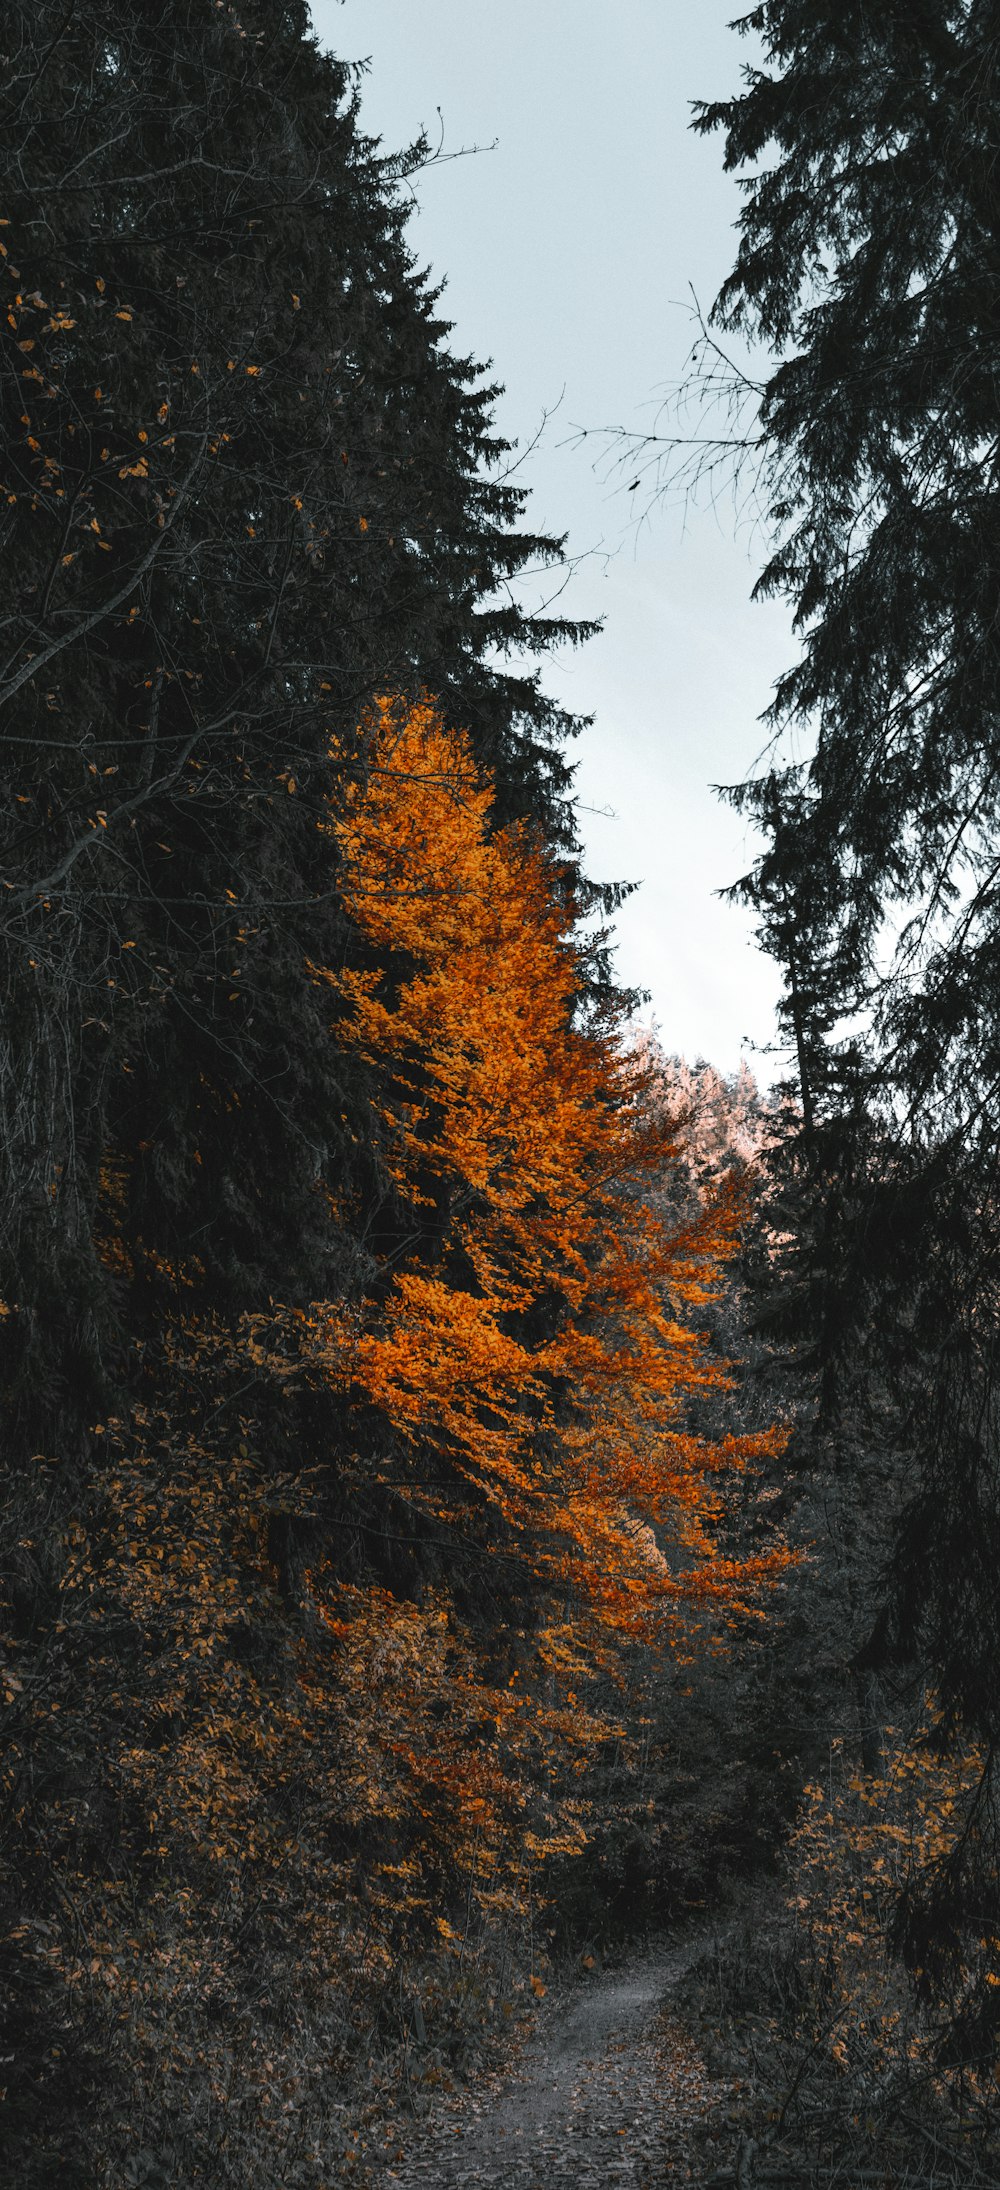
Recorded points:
609,2091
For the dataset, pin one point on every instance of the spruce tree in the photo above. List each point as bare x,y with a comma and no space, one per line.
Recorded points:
869,263
247,487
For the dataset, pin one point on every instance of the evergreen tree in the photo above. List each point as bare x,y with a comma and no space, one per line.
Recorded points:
869,261
247,485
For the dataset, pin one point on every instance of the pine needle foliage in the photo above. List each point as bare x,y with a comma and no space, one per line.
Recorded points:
246,483
867,139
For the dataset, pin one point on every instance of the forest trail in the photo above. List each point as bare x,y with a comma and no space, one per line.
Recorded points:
610,2090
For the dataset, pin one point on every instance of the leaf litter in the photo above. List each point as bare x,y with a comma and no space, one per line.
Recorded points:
611,2088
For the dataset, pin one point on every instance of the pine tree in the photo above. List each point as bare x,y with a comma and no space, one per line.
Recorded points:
869,262
870,257
246,485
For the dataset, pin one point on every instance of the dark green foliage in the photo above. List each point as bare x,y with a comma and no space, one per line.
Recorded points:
869,260
870,255
246,486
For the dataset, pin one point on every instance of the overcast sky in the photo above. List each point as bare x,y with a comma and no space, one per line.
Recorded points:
570,250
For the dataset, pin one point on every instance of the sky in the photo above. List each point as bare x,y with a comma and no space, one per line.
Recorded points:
570,244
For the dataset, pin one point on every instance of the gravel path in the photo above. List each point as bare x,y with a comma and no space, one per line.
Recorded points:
609,2091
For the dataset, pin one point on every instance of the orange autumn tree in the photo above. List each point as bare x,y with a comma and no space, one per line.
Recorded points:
530,1345
378,1561
460,1500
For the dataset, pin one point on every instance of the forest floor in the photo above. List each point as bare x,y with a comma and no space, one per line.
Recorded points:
610,2088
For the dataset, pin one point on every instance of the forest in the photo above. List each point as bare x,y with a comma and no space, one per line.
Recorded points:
485,1501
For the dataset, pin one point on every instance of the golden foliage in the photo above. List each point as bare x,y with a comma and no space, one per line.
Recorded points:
530,1331
348,1587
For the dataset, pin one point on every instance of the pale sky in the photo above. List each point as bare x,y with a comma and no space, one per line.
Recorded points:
570,251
